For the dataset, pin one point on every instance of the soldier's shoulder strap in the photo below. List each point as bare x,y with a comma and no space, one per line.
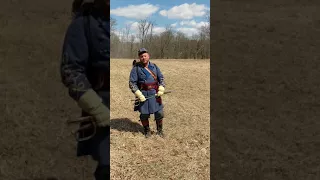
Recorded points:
155,65
156,68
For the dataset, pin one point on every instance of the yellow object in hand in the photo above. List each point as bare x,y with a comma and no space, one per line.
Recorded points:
139,94
160,91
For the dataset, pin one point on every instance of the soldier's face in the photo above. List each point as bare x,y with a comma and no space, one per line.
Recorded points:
144,58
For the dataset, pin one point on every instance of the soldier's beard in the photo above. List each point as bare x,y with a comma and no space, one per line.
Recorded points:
145,62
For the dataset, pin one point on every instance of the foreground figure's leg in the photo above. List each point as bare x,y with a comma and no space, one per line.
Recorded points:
102,172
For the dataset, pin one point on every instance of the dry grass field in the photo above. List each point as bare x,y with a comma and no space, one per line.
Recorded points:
266,89
184,153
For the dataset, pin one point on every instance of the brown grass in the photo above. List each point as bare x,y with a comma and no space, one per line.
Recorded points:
184,153
266,88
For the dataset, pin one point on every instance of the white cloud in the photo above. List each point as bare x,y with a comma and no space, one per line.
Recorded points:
200,24
128,22
193,23
188,23
158,30
130,27
185,11
163,13
135,26
118,33
174,25
135,11
188,31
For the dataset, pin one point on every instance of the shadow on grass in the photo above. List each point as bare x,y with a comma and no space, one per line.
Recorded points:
127,125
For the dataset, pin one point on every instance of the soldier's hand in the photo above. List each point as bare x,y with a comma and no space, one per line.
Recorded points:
160,91
101,115
139,95
91,103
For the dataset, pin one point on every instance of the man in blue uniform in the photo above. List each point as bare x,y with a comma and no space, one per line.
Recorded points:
85,71
147,82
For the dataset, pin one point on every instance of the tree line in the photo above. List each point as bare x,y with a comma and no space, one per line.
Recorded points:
169,44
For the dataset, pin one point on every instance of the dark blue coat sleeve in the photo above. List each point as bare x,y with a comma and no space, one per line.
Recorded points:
74,59
133,80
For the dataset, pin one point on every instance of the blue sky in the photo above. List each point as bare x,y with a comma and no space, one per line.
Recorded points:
182,15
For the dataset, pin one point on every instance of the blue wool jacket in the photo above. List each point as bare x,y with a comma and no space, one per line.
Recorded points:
139,76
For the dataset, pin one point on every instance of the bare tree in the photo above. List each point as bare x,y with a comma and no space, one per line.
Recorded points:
165,41
132,38
168,44
179,40
206,28
152,24
127,32
125,51
143,28
113,24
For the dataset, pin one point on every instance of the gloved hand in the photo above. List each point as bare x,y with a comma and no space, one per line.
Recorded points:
160,91
91,103
139,95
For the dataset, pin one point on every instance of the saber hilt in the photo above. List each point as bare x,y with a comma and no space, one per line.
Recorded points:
92,124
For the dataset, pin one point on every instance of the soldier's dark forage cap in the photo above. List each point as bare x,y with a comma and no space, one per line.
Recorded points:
142,50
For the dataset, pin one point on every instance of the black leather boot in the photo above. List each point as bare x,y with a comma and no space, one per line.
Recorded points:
146,128
159,128
147,131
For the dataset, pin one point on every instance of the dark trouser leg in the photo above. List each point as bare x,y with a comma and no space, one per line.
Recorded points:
102,154
99,148
102,172
159,117
144,118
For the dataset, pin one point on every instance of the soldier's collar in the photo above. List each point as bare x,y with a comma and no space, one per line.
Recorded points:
150,64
